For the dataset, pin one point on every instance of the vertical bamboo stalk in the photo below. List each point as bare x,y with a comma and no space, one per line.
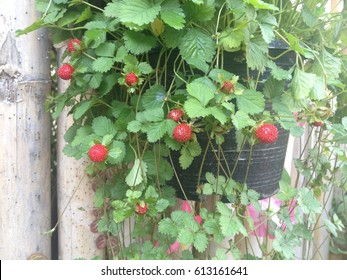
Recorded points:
25,210
75,197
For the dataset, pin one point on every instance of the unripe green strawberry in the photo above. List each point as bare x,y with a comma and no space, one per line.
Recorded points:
98,153
65,71
131,79
141,208
228,87
266,133
71,45
182,132
175,114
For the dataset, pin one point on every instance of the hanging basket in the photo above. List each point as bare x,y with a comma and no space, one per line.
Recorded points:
263,174
260,166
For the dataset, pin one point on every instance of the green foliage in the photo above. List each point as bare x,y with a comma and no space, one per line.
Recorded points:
140,59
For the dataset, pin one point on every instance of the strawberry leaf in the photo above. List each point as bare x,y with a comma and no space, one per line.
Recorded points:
251,102
138,43
172,14
102,64
103,126
242,120
200,241
137,173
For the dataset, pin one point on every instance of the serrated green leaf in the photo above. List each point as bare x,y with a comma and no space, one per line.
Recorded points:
103,126
218,114
185,158
267,22
241,120
106,49
154,115
201,92
172,37
308,16
194,109
107,83
194,148
154,97
223,209
137,173
294,43
251,102
134,126
107,139
117,152
161,205
96,25
145,68
71,133
140,12
202,12
96,80
81,134
259,4
172,14
302,84
278,73
166,226
221,255
102,64
256,54
172,143
111,9
197,44
138,42
286,192
82,108
69,17
94,37
200,242
185,236
307,202
231,226
156,131
232,38
318,91
331,65
86,14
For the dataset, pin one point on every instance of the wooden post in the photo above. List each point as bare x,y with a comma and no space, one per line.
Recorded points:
75,196
25,207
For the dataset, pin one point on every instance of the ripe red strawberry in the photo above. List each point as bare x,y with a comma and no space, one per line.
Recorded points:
98,153
141,208
267,133
228,87
71,45
65,71
317,123
131,79
182,132
175,114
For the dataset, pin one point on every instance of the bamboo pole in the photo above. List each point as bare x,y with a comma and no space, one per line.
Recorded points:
25,208
75,196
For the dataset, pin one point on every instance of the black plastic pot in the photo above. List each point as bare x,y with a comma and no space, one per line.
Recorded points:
264,172
266,161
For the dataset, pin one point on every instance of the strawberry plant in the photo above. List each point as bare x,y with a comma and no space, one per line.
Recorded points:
159,86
